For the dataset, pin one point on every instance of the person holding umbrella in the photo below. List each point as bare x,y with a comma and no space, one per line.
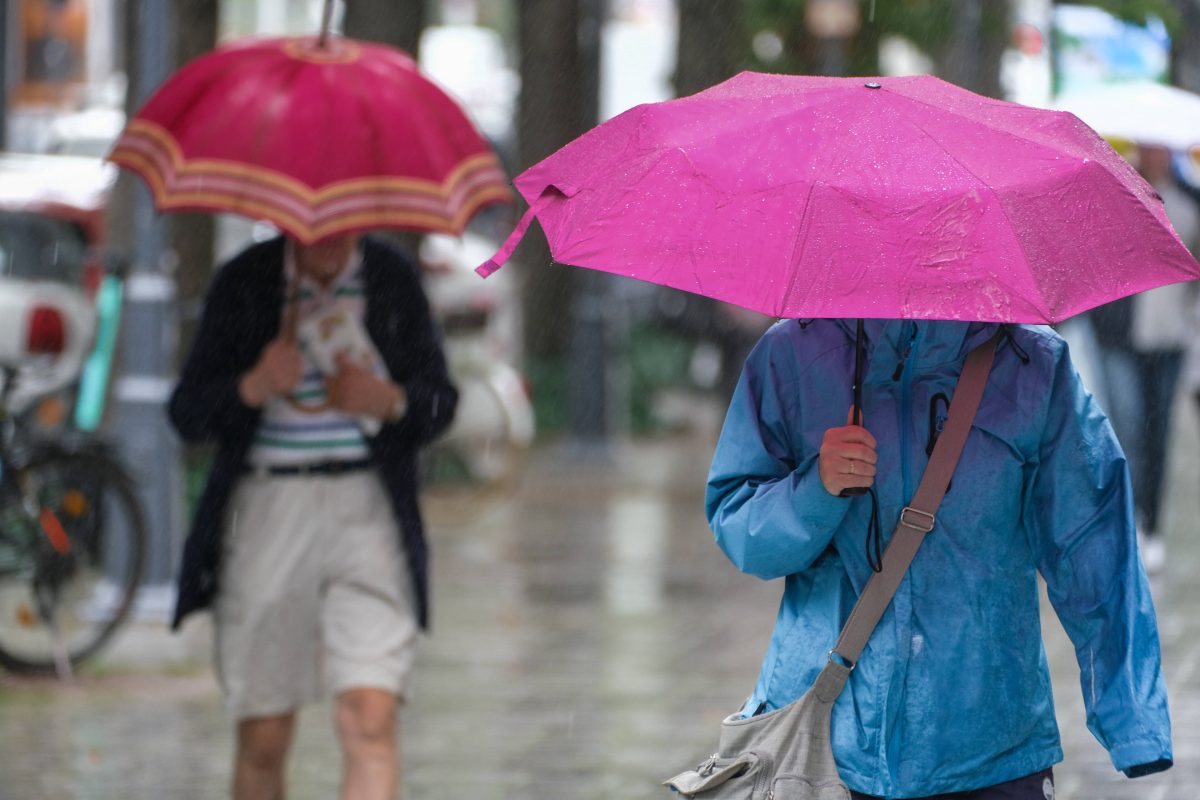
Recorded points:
952,694
896,225
320,579
318,373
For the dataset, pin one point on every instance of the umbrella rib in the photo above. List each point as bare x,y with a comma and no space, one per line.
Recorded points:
1013,134
802,240
944,110
990,190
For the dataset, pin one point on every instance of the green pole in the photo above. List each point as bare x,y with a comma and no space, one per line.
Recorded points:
93,383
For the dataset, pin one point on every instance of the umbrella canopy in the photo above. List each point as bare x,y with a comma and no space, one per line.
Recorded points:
1144,112
856,197
317,138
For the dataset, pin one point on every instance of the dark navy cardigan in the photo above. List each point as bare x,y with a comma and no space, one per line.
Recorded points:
242,315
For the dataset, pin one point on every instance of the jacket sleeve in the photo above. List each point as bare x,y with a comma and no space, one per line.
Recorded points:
1080,511
766,504
205,405
432,397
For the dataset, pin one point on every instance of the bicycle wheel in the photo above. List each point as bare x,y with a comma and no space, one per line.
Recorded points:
72,547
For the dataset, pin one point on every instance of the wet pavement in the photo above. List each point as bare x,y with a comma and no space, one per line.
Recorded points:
589,637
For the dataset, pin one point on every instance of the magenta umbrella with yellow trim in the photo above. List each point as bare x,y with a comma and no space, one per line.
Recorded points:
317,135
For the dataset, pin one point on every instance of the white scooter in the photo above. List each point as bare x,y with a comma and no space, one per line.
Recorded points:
479,459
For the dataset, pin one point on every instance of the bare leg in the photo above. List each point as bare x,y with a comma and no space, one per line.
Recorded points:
366,727
262,748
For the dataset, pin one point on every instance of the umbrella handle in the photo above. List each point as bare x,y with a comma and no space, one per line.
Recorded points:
860,347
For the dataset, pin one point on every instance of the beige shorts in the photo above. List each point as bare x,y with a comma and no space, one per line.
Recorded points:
315,594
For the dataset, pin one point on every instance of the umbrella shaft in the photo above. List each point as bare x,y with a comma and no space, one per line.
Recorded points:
326,23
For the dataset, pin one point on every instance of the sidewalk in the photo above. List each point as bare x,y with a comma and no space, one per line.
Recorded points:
588,639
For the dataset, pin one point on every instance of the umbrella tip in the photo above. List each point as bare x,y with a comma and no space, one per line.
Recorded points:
873,85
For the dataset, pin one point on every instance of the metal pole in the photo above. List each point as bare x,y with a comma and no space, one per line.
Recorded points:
1053,44
149,330
326,23
590,388
833,56
5,65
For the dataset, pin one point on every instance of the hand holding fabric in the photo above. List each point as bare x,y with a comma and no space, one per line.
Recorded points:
847,457
356,390
278,371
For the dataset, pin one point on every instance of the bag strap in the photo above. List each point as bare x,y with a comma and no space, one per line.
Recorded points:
918,518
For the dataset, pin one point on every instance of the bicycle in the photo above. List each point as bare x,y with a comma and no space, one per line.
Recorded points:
72,546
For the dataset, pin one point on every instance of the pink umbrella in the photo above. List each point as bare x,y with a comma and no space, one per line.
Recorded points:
857,197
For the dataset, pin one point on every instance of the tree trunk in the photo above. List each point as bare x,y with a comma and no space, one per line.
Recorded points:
551,112
398,23
395,22
712,43
191,236
973,54
1185,55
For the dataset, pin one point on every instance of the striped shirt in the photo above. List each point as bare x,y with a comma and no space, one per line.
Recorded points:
300,428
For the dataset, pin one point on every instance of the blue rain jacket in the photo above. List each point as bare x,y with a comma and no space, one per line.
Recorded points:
953,692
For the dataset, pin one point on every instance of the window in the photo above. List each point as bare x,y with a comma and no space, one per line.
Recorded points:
33,247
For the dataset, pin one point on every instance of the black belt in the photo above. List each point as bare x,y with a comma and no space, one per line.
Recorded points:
315,468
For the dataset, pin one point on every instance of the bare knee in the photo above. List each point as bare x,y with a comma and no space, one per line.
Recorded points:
263,742
366,720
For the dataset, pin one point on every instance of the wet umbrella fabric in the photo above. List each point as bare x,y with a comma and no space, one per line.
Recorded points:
892,198
317,139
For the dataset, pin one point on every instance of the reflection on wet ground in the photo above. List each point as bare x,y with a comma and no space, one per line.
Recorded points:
588,639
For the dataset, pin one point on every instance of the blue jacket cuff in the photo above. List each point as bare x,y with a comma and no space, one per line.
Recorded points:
1140,758
819,509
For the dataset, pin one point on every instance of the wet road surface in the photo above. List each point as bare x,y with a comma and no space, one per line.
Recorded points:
589,637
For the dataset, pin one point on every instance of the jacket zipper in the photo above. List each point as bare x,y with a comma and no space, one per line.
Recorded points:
906,358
